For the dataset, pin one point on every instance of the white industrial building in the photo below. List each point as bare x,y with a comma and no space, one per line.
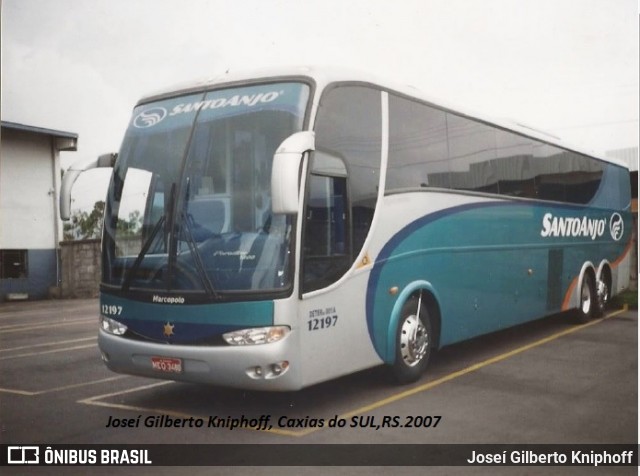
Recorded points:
30,227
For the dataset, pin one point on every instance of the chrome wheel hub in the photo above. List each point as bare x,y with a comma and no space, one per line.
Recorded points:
414,341
585,299
603,294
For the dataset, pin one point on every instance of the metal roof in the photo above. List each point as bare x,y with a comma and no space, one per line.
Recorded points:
39,130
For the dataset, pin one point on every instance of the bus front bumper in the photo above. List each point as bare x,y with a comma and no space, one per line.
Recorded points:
257,367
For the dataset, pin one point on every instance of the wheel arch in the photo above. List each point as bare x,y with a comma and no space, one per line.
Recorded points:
573,298
580,315
587,268
430,299
605,273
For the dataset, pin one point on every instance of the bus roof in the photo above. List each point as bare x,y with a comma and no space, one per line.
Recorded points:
324,75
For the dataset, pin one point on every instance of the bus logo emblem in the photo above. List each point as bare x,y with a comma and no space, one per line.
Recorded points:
150,117
616,226
168,329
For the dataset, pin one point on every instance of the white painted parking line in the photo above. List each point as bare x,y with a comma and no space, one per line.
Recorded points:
48,325
52,351
47,344
58,389
94,400
84,384
17,392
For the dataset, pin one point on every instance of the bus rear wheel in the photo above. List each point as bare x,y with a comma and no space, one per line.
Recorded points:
414,339
588,307
603,292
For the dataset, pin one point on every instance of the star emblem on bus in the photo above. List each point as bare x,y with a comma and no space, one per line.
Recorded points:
168,329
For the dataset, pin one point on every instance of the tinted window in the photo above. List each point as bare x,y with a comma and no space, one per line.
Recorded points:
431,148
472,153
567,176
515,165
349,125
348,131
326,247
417,146
189,208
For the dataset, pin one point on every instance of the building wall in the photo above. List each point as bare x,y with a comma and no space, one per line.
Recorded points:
80,268
29,170
629,156
27,193
42,266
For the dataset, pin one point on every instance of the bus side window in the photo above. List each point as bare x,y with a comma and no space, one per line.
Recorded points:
326,241
344,177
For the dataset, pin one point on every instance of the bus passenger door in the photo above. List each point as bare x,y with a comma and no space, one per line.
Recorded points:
330,323
341,192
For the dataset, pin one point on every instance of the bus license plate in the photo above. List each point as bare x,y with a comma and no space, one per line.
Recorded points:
166,364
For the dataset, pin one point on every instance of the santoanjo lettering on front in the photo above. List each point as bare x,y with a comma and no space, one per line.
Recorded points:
274,230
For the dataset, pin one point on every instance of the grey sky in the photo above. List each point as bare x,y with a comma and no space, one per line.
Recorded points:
566,66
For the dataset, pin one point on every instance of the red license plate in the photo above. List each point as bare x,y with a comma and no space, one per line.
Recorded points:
166,364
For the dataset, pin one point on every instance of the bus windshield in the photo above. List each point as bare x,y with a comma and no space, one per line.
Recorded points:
189,206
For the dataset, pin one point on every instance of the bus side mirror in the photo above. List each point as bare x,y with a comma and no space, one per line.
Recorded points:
285,171
71,175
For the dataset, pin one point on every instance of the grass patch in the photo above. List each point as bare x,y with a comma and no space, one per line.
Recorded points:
630,298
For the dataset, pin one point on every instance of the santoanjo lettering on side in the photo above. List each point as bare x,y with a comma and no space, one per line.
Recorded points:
572,227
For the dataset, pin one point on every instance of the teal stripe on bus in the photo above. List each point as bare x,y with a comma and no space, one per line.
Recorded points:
489,264
191,322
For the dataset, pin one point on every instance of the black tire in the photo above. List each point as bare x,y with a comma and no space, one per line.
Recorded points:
414,342
588,306
603,292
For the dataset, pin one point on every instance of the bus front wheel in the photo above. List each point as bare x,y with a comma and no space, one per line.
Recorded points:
414,339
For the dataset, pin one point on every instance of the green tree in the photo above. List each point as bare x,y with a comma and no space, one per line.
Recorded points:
83,225
131,227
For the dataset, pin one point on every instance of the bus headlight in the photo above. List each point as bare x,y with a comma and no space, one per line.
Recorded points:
256,335
112,327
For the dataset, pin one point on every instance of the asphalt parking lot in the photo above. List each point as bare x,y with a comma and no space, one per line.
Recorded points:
546,382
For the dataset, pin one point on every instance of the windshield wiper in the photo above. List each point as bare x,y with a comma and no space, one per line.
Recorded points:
186,231
197,258
147,244
145,249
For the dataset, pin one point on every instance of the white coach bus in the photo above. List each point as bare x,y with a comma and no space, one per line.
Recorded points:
273,231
